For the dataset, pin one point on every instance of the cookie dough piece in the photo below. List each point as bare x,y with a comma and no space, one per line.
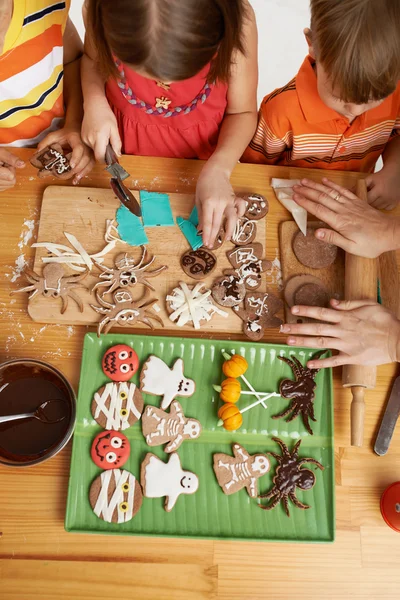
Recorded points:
258,314
311,252
52,161
228,291
311,294
304,286
245,232
249,264
115,496
117,406
242,470
257,206
198,264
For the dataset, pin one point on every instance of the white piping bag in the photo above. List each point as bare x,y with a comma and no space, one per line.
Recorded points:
283,189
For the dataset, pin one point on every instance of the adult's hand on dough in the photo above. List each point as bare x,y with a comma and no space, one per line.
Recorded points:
364,333
357,227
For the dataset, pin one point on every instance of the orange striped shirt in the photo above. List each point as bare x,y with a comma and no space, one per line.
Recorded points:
295,128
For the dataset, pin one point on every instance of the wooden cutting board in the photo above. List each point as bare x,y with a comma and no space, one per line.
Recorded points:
83,212
332,277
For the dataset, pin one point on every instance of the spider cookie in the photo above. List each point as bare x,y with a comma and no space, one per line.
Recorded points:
258,314
115,496
117,406
161,479
110,450
52,160
240,470
160,427
120,362
198,264
249,264
288,476
312,252
256,206
245,232
228,290
158,379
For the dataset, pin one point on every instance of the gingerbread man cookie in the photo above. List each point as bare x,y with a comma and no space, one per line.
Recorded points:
240,470
259,314
117,405
249,264
160,427
115,496
198,264
52,160
158,379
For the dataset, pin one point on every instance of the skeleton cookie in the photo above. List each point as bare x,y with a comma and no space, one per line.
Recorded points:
249,264
160,427
245,232
257,206
115,496
258,314
117,405
240,470
158,379
52,160
161,479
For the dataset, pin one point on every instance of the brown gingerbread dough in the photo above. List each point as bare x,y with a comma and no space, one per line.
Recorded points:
198,264
311,252
311,294
303,287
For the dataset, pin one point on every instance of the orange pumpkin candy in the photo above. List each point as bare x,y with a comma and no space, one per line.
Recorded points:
230,390
235,366
230,416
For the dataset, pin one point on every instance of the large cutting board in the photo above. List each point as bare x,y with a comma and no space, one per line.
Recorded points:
83,212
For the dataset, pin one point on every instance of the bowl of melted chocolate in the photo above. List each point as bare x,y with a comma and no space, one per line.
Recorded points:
43,405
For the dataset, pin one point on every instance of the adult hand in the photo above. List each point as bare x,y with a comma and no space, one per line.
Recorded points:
99,127
357,227
364,332
8,165
82,161
384,188
216,200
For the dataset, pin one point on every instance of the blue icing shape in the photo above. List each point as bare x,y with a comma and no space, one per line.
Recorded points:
190,232
130,228
194,216
156,209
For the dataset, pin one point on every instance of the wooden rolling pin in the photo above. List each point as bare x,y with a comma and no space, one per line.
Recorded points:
360,284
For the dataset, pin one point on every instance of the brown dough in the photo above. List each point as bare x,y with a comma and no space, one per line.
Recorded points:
311,294
257,206
53,161
228,291
198,264
300,281
311,252
258,314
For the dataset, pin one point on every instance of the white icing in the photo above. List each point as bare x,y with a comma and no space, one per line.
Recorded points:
112,392
105,509
284,192
192,306
243,469
168,479
171,428
244,231
244,255
160,380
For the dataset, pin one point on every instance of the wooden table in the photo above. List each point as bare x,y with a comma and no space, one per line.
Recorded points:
39,560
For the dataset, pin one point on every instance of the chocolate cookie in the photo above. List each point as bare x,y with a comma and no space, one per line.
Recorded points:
115,496
219,240
257,206
52,160
311,294
228,290
259,314
305,285
198,264
245,232
312,252
248,264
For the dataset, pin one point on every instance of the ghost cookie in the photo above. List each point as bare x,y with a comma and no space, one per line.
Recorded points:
256,206
228,290
245,232
110,450
120,363
117,405
160,427
158,379
249,264
115,496
312,252
258,314
198,264
242,470
52,160
161,479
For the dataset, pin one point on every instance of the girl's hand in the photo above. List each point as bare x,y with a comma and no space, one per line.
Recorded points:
363,331
357,227
8,165
82,161
215,199
100,127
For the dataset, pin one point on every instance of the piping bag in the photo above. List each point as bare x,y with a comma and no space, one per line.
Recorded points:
283,189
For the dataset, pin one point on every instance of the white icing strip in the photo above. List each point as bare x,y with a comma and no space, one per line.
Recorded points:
130,405
102,499
78,246
131,497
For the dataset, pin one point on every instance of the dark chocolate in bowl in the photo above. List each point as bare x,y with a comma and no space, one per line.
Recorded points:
25,385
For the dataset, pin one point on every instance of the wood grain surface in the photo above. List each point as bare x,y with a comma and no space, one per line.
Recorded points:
40,561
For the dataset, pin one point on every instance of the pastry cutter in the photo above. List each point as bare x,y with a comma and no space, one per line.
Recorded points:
118,175
389,420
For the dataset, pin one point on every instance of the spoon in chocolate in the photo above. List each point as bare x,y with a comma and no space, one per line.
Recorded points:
39,414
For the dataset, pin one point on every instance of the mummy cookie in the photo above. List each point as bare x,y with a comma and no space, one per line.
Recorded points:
115,496
239,471
249,264
120,363
158,379
160,427
312,252
161,479
117,405
52,160
258,314
228,290
257,206
245,232
110,450
198,264
192,305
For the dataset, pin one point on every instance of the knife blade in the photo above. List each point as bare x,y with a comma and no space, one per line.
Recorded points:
118,174
389,420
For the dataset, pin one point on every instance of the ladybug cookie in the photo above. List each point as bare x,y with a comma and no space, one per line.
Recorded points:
110,450
120,363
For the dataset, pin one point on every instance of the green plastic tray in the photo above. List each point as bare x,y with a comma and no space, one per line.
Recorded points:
209,513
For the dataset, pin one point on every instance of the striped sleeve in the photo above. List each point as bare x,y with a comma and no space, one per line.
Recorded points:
270,141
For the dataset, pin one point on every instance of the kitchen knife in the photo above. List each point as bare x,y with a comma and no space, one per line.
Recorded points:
389,420
118,173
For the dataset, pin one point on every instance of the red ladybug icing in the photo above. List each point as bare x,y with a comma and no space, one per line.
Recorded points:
120,363
110,450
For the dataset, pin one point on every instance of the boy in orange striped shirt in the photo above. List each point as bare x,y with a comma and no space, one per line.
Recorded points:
342,110
39,84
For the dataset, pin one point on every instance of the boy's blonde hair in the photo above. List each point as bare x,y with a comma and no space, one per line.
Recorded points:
358,44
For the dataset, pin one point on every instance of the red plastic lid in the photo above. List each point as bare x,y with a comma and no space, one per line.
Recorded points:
390,506
120,363
110,450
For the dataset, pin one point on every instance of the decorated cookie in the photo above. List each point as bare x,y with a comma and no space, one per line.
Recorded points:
249,264
117,405
312,252
120,363
52,160
115,496
228,290
258,313
245,232
160,427
192,305
110,450
219,240
240,470
198,264
257,206
158,379
288,476
161,479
